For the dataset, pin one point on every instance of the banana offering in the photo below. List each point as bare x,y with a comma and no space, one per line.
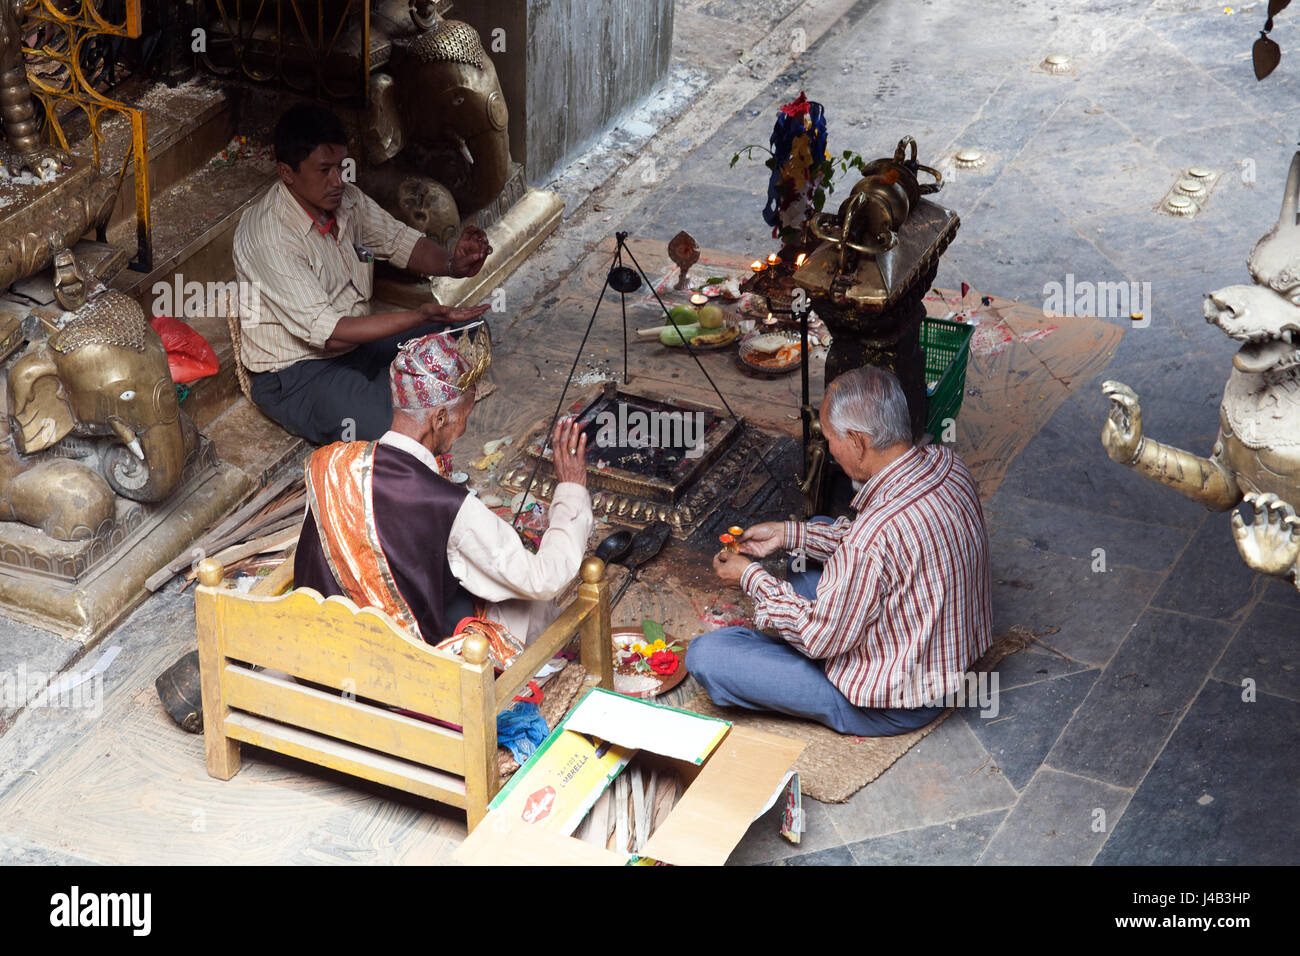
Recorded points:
698,336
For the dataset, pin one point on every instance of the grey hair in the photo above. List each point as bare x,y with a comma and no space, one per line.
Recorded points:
870,400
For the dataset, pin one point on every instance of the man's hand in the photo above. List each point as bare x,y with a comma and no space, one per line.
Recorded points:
432,312
729,566
763,539
471,250
569,449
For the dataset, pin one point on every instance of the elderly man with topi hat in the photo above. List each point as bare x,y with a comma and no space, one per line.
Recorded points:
386,528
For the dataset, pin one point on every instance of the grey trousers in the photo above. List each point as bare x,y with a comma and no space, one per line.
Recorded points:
335,399
741,667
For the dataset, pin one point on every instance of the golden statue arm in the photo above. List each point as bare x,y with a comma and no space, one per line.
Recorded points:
1204,480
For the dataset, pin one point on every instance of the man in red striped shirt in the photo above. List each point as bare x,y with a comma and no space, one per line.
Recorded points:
873,642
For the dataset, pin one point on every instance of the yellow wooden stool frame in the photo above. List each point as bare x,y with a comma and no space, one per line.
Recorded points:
360,651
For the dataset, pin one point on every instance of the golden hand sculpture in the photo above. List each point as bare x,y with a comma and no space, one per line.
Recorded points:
1257,456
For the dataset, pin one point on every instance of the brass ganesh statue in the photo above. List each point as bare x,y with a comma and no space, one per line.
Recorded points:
435,135
1257,455
90,412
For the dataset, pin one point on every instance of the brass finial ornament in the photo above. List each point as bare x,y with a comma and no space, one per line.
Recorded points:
69,280
475,347
1257,459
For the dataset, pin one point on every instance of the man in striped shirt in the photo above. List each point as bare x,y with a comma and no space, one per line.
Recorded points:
873,642
319,359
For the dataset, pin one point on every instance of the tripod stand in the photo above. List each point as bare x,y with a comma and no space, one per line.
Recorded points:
624,281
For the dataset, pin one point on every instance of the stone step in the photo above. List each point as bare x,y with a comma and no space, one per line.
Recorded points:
186,126
252,442
194,228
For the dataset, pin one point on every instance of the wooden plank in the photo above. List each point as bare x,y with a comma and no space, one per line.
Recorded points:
279,580
347,758
621,830
549,643
597,645
259,501
350,720
220,753
478,707
277,541
640,818
333,643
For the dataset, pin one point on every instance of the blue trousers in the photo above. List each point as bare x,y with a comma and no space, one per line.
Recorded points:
741,667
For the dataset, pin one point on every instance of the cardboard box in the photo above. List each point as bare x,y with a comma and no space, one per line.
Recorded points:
732,775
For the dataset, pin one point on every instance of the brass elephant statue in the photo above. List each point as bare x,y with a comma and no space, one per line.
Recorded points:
103,374
435,136
1257,455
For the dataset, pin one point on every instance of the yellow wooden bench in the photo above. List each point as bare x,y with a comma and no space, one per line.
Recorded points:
368,658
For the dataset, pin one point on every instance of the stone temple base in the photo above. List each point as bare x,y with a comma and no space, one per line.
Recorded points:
81,589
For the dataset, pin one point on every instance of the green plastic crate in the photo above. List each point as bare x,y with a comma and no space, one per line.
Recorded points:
947,350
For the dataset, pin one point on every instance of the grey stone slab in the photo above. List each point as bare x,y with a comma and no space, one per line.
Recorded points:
1252,167
1182,258
1188,100
835,856
1124,721
1278,591
1066,463
958,843
763,842
1020,731
1083,614
1012,115
1081,123
1033,664
1057,529
164,621
1274,99
1222,791
1210,579
717,215
1055,822
1089,183
1265,650
1158,56
1016,203
1009,263
1205,36
24,653
18,851
946,776
1171,359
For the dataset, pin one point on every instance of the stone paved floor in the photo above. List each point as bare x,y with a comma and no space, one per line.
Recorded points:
1123,737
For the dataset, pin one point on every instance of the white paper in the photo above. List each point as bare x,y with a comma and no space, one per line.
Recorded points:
642,726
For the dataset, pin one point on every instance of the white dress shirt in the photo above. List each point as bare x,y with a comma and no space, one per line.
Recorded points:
488,559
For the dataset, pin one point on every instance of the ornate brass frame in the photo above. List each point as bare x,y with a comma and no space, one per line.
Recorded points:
637,500
72,86
247,47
